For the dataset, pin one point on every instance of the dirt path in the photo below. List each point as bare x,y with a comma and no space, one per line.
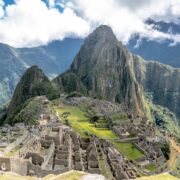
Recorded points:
174,151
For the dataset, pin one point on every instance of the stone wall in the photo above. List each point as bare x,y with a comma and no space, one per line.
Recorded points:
17,142
19,166
49,155
39,172
5,164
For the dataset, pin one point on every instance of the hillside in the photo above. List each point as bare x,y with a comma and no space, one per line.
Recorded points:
163,51
33,83
162,81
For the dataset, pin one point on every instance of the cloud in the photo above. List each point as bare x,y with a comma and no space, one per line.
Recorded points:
1,9
128,17
31,22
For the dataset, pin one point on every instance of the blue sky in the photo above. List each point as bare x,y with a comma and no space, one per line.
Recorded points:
8,2
29,23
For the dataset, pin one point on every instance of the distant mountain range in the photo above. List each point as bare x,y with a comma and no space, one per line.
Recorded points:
53,59
161,51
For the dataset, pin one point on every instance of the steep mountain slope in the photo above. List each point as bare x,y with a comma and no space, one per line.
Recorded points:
53,58
33,83
162,81
104,67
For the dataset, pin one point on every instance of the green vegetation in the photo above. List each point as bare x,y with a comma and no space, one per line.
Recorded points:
29,112
128,150
104,169
13,152
69,82
45,88
176,168
81,123
151,167
166,150
73,175
33,83
163,117
165,176
119,117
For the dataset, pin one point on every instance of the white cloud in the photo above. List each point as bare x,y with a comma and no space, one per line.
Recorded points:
31,22
128,17
51,3
1,9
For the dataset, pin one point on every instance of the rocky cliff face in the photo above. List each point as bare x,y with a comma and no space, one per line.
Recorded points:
161,80
104,67
33,83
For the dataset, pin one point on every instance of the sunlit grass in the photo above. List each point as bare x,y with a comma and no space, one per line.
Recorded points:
151,167
159,177
128,150
80,123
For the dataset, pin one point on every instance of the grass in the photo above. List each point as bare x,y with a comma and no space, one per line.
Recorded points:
104,169
13,152
151,167
80,123
165,176
128,150
176,169
71,175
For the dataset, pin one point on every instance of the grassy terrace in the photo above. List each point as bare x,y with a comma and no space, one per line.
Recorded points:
128,150
71,175
159,177
151,167
80,123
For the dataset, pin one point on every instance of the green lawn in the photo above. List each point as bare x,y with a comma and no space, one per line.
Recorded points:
151,167
80,123
128,150
164,176
105,170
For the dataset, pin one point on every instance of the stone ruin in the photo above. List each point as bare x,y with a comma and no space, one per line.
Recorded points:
59,149
129,129
52,148
153,153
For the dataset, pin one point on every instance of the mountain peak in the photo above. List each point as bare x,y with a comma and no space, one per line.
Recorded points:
104,29
33,83
103,34
103,66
